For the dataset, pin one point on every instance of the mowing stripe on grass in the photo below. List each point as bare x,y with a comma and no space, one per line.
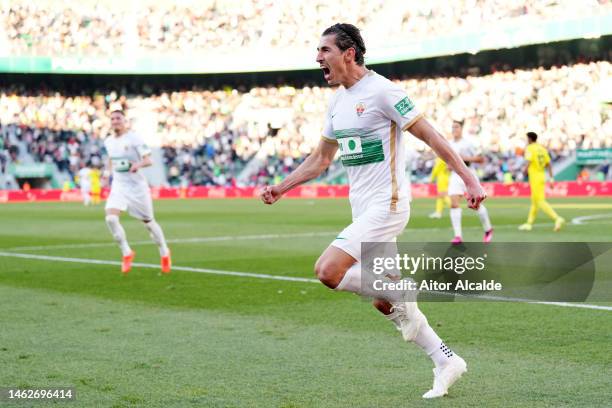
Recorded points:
273,277
197,240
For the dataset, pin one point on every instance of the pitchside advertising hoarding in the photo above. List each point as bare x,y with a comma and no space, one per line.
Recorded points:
593,156
558,189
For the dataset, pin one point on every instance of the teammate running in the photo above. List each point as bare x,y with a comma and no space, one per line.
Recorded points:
538,161
128,153
84,179
457,186
365,120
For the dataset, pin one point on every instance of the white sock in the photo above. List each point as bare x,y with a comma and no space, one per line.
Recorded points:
433,345
112,221
483,214
157,235
455,215
352,282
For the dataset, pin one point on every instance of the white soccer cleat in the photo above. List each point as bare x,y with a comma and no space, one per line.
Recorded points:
435,215
446,376
411,319
525,227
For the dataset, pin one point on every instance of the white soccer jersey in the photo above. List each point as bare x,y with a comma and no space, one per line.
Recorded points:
84,179
367,121
464,147
123,151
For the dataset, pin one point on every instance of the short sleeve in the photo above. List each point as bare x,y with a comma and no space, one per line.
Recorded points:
140,145
398,107
328,128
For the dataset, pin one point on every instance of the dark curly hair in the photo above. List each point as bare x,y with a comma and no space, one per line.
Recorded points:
348,36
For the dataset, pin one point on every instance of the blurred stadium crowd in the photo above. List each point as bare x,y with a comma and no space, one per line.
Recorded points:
208,136
95,27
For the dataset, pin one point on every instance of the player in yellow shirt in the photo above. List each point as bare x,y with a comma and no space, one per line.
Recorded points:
440,174
95,185
538,161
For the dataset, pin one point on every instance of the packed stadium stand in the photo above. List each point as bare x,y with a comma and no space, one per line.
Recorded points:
104,27
208,134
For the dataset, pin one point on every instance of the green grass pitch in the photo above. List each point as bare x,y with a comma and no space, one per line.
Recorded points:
210,340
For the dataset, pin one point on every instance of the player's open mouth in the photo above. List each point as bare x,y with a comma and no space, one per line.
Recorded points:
326,72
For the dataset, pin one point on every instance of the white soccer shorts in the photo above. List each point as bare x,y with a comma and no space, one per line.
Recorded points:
376,224
456,186
137,201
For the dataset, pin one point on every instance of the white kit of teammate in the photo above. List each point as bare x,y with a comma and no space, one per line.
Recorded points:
127,153
456,187
130,190
85,184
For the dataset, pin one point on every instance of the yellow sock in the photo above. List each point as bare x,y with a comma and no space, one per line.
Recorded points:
447,201
439,205
548,210
532,213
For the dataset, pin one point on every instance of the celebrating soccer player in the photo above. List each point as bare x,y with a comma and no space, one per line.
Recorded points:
538,161
128,153
365,120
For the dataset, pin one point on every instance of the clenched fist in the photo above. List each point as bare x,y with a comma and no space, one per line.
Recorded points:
270,194
474,195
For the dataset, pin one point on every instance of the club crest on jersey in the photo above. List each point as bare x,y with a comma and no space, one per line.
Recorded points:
360,108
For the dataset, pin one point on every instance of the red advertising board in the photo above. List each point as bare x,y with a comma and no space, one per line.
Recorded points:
559,189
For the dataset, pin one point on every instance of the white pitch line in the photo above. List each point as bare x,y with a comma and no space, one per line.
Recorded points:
274,277
174,241
581,220
522,300
155,266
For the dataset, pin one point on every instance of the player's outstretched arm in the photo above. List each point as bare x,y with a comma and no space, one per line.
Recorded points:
311,168
423,130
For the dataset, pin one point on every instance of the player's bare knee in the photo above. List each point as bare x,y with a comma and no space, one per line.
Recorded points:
327,272
111,218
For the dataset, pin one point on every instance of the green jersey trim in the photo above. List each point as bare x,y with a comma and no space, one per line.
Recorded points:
359,146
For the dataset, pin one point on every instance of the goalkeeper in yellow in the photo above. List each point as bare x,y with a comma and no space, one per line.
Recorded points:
440,174
538,161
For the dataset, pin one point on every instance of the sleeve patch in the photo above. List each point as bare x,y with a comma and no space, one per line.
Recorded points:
404,106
